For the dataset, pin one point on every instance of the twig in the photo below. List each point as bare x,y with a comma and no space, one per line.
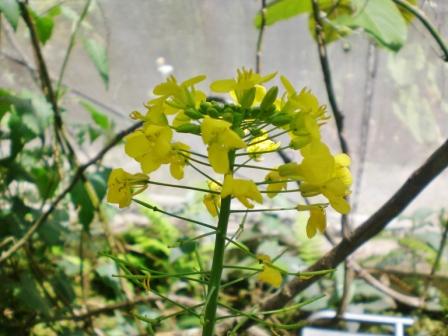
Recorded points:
71,45
410,301
322,50
436,264
372,68
77,176
428,25
339,120
25,63
46,86
260,36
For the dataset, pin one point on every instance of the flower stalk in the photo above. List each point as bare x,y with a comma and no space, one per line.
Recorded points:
218,261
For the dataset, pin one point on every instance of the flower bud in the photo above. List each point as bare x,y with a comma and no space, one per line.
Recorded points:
248,98
189,128
280,119
193,114
269,98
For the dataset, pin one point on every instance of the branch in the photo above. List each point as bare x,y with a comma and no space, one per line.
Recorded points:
47,88
32,70
372,68
436,264
339,120
322,49
428,25
421,177
77,176
260,36
71,45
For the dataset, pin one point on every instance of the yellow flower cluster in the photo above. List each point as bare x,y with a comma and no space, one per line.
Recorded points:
249,127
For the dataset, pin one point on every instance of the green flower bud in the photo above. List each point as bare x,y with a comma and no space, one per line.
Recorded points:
280,119
212,112
269,98
193,114
248,98
189,128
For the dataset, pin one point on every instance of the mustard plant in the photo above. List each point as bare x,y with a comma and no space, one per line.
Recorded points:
257,122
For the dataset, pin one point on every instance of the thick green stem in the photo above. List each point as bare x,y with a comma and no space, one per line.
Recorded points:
217,264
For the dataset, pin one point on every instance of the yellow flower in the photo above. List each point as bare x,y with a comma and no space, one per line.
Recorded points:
122,186
304,101
150,146
245,80
183,95
261,143
307,115
275,188
243,190
212,201
220,140
178,159
316,222
269,275
322,173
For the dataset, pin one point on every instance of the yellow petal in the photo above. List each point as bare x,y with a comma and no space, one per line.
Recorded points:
177,171
211,128
223,85
269,275
227,187
180,119
340,205
342,160
288,86
260,92
212,203
317,221
268,77
193,81
219,158
149,163
289,170
232,140
136,144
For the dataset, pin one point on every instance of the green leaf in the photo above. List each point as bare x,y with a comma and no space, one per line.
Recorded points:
98,117
98,55
282,10
46,180
82,203
285,9
63,286
52,233
99,181
44,26
11,11
381,19
30,296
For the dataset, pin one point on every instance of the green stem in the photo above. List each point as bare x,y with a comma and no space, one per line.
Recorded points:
264,210
156,209
262,152
428,25
183,187
218,261
71,45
